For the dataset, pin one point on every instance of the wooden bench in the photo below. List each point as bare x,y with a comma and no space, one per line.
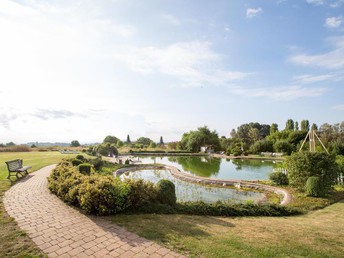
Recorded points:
16,166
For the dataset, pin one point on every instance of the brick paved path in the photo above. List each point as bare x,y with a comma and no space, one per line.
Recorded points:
62,231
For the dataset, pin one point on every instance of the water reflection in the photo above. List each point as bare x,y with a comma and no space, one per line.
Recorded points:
186,191
217,168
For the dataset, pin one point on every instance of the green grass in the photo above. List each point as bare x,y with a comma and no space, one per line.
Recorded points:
35,159
13,241
317,234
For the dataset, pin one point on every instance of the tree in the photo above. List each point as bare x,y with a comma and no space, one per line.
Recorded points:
75,143
273,128
161,141
110,139
10,144
296,126
302,165
128,139
289,125
314,127
305,125
144,141
283,146
193,140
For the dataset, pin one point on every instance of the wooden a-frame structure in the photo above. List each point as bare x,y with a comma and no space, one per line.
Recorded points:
311,135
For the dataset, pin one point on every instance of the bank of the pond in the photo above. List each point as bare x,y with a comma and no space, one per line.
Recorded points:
286,197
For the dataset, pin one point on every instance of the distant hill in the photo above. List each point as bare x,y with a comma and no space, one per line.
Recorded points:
47,144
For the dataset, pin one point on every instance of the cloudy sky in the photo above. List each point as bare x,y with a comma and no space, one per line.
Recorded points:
84,69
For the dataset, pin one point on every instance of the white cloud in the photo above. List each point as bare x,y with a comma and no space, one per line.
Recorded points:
253,12
279,93
306,79
333,22
316,2
332,60
194,63
11,8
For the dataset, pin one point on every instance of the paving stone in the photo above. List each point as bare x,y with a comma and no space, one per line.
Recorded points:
62,231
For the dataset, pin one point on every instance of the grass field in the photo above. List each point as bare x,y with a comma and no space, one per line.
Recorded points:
13,241
317,234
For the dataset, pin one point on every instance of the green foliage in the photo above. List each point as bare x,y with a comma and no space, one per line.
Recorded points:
166,192
144,141
141,193
152,145
111,139
279,178
85,168
97,163
289,125
80,157
76,162
193,140
127,162
262,146
314,186
221,209
106,149
75,143
302,165
102,195
161,142
283,146
95,194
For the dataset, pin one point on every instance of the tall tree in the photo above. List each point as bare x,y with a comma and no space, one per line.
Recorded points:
128,139
273,128
314,127
305,125
296,126
289,125
161,141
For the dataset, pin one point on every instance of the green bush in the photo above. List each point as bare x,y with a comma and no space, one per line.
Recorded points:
97,163
314,186
85,168
279,178
302,165
102,195
166,192
76,162
80,157
127,162
221,209
141,192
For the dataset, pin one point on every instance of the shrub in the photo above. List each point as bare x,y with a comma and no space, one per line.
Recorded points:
97,163
85,168
80,157
127,162
228,151
102,195
76,162
279,178
141,192
314,186
302,165
166,192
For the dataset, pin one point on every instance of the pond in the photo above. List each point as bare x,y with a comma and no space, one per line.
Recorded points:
186,191
206,166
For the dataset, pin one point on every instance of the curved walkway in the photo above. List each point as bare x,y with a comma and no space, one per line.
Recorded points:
62,231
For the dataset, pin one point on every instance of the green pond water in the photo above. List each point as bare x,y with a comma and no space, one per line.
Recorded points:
210,167
186,191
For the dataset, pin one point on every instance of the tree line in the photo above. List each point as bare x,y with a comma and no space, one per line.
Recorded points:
254,138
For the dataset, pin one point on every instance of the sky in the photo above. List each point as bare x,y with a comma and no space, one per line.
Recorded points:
85,69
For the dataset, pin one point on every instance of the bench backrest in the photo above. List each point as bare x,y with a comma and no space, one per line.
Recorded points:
14,165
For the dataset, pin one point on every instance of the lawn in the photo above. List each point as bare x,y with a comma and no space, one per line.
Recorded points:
13,241
317,234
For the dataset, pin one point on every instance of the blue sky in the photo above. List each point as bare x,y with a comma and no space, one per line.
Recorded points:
84,69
